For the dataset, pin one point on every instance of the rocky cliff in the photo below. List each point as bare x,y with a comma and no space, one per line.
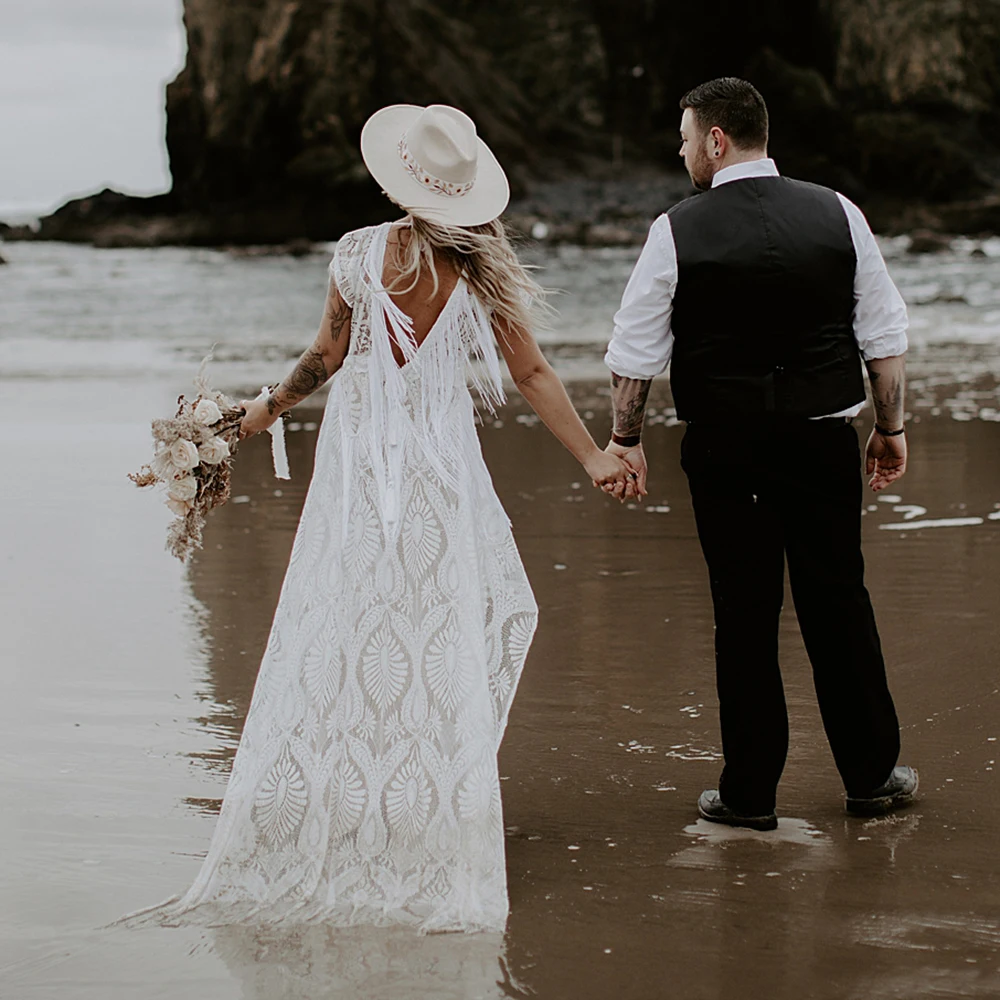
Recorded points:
893,101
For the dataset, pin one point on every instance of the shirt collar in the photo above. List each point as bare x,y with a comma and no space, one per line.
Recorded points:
764,167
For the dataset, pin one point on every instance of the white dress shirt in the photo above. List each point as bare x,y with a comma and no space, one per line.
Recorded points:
642,342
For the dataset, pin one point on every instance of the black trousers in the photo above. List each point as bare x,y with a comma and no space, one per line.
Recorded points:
763,491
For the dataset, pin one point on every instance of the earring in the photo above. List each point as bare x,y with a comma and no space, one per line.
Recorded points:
716,152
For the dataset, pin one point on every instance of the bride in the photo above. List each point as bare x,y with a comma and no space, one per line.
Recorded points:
365,786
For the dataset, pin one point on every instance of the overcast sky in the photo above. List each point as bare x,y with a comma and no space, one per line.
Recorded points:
81,97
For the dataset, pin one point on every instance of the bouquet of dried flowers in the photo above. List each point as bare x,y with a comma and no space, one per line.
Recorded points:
193,459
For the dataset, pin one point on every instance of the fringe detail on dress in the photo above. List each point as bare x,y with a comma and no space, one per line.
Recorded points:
461,333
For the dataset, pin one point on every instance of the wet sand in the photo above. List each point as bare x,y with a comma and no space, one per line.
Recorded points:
127,679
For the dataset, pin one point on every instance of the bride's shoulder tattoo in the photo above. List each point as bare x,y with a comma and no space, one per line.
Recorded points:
338,318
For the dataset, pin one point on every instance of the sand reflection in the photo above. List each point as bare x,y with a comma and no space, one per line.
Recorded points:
364,963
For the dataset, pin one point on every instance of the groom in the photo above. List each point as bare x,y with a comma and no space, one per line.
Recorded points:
765,294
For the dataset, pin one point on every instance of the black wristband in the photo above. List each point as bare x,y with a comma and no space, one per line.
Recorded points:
889,434
625,442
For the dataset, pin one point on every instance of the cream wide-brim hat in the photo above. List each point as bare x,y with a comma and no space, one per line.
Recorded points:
431,162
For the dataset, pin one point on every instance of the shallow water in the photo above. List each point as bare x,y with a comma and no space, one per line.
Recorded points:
127,679
135,315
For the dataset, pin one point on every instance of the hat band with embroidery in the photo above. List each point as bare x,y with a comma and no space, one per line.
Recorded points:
428,180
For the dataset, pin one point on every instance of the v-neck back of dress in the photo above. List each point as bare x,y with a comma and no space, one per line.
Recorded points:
423,400
438,320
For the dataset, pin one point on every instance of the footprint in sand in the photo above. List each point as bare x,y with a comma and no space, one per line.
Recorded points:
713,839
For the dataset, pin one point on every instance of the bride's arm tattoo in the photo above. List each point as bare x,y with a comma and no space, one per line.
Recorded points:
307,376
320,361
338,318
628,398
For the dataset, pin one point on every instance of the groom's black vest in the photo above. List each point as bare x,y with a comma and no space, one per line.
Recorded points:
763,310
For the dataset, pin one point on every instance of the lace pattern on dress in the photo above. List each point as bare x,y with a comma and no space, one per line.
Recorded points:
365,786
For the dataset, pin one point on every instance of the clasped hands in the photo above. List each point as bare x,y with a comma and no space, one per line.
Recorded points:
619,472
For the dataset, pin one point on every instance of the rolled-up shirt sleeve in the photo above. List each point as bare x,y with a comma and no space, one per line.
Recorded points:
642,342
880,318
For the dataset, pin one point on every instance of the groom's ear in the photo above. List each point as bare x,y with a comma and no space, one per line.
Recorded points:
718,142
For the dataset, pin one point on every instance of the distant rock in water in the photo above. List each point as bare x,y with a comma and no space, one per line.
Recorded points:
926,241
294,248
112,219
894,102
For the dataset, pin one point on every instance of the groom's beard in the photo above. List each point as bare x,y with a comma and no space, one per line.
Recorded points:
701,173
702,181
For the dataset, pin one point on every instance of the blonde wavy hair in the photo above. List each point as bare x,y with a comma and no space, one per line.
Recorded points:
485,258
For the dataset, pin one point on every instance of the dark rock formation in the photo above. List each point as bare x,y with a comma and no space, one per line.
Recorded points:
16,232
268,111
111,219
895,102
935,55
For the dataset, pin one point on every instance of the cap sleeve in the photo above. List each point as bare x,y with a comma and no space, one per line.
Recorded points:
345,267
340,272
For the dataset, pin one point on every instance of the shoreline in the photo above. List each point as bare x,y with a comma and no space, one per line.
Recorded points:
581,210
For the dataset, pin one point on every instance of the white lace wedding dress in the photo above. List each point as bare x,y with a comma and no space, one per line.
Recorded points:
365,786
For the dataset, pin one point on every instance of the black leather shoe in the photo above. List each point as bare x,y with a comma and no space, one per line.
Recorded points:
899,790
712,808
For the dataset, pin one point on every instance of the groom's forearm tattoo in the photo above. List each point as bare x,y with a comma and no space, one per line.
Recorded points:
628,398
888,392
889,402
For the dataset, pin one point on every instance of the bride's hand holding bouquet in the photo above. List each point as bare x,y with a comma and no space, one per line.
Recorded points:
259,415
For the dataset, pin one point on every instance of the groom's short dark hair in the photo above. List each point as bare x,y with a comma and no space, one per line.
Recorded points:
733,105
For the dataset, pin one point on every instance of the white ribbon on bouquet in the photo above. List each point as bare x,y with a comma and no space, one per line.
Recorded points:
277,431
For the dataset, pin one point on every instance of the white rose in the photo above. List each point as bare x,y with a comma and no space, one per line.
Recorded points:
207,412
184,454
179,507
213,451
183,489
